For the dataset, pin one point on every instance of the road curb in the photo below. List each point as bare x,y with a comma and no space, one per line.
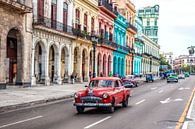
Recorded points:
33,103
184,114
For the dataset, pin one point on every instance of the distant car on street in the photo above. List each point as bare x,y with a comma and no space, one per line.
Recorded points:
181,76
172,78
105,92
187,74
128,83
131,78
149,77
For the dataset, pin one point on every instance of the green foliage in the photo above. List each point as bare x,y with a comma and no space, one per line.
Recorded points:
164,62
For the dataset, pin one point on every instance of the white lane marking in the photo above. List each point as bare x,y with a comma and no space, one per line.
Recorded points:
89,126
176,100
140,102
182,88
167,100
22,121
153,88
185,125
161,91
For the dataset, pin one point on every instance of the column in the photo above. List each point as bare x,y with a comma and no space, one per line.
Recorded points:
58,67
33,78
46,68
71,62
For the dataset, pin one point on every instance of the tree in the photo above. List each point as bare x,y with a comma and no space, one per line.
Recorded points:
163,62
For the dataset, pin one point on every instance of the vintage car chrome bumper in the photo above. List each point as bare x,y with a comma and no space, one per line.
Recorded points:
93,104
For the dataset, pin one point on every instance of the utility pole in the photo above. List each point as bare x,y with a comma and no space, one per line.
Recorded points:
191,53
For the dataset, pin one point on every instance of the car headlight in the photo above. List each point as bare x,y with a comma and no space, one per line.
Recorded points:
76,95
105,95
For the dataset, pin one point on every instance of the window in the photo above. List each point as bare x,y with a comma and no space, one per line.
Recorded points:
53,13
92,24
148,22
65,13
40,8
77,20
85,22
155,22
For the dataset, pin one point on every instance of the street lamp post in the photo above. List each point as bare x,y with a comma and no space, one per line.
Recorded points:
191,53
94,40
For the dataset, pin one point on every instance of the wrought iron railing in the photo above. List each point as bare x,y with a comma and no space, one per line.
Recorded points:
53,24
132,26
139,40
107,5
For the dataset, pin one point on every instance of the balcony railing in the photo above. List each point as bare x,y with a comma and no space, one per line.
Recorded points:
132,26
107,5
53,24
139,40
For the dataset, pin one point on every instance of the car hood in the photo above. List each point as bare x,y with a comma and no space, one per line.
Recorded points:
99,91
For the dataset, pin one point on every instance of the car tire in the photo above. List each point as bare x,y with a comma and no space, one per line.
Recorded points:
80,109
167,81
111,108
126,102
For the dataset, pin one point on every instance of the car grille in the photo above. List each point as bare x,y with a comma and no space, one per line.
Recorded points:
91,99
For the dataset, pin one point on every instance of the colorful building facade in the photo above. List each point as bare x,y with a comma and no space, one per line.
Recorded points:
138,46
119,55
85,21
150,16
106,17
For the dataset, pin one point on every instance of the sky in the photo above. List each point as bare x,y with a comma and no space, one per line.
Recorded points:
176,24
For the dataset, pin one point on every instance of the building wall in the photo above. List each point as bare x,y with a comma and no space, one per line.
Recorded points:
17,20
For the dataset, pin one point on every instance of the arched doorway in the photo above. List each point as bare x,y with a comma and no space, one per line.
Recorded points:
115,66
99,64
109,64
76,64
104,65
119,66
39,61
64,64
52,63
122,67
84,65
14,56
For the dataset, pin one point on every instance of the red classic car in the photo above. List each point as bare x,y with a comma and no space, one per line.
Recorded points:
102,92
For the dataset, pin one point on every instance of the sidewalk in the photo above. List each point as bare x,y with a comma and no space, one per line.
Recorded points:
15,97
190,118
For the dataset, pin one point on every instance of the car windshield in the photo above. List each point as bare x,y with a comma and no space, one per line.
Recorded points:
101,83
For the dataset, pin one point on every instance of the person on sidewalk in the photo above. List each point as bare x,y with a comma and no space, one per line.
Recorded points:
72,78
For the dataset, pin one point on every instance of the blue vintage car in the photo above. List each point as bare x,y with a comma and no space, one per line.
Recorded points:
149,77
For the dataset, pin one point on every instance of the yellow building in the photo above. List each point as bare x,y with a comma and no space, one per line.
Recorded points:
85,20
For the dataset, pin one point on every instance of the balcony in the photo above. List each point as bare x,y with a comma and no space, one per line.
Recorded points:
22,6
104,5
139,40
132,27
52,24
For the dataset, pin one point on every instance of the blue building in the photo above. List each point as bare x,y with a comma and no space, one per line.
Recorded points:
138,46
119,55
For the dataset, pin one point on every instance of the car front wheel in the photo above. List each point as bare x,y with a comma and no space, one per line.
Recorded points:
111,108
126,102
80,109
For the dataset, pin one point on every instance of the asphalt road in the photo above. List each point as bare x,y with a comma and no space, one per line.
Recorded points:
155,105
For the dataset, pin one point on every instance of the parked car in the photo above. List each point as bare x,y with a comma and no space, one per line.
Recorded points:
172,78
128,84
106,92
131,78
149,78
181,76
